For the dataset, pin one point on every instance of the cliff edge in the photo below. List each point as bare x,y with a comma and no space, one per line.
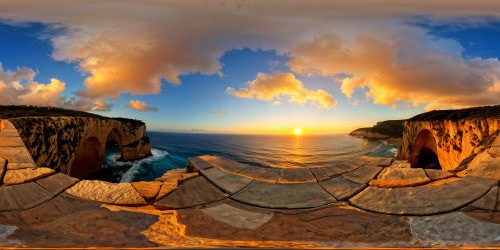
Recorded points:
382,130
73,142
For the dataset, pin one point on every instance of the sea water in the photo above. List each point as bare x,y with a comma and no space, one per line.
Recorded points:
171,150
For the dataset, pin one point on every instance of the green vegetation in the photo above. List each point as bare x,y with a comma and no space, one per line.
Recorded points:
460,114
14,111
391,128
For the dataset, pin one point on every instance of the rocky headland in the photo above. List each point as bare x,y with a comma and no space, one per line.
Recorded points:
427,198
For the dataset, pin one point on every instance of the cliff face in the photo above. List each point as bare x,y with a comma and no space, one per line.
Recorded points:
75,145
453,141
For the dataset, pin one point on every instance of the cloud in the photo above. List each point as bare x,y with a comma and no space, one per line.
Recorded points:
132,46
19,88
278,85
140,106
411,66
218,112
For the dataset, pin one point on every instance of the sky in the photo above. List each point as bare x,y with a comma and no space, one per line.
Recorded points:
240,66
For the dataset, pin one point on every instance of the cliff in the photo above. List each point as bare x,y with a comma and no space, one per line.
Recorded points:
75,145
455,137
381,130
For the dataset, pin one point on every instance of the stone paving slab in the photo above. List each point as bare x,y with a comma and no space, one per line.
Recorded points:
173,174
167,187
238,217
363,174
270,175
195,192
436,174
12,141
196,164
319,174
341,188
9,132
16,154
226,164
57,183
488,168
333,170
348,166
454,229
60,206
489,202
3,169
400,177
23,196
287,196
227,182
380,162
106,192
148,189
423,200
24,175
253,172
296,175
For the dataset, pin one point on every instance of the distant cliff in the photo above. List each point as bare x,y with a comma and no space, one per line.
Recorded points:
73,142
381,130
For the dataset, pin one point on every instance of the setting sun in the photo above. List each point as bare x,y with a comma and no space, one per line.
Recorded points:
297,131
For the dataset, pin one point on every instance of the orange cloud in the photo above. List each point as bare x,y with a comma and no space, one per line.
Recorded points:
140,106
131,46
19,88
278,85
403,68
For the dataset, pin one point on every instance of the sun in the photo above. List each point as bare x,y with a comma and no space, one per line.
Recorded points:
297,131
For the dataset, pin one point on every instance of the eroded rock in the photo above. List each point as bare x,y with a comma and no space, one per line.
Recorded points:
112,193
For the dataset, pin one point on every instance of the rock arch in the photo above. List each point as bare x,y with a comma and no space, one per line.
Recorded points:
88,158
424,153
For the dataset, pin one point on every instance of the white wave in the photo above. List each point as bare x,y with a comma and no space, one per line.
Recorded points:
394,151
128,176
376,148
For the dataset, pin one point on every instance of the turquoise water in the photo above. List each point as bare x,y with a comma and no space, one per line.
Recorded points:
171,150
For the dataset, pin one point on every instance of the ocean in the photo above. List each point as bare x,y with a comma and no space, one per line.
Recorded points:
171,150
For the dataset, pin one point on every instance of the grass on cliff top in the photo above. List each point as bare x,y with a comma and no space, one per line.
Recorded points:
17,111
460,114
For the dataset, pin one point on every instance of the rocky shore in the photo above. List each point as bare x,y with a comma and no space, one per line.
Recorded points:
218,202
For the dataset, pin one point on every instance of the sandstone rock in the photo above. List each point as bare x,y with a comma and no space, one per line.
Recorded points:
113,193
65,139
400,177
148,189
227,182
436,174
22,196
455,140
3,169
24,175
20,165
166,188
57,183
454,229
400,164
485,165
173,174
423,200
288,196
191,193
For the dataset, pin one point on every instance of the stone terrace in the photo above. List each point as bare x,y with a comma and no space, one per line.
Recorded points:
218,202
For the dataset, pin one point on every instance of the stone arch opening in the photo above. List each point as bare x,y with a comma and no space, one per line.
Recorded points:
114,140
424,153
88,158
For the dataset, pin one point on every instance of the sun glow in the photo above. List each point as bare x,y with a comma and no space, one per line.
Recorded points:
297,131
